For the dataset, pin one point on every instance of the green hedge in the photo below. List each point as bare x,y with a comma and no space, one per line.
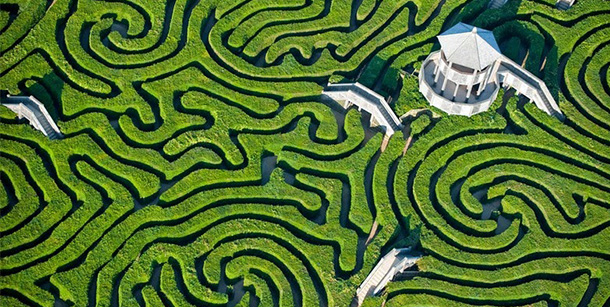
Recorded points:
166,131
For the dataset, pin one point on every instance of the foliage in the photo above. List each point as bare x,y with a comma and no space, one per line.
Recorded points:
420,124
199,158
410,98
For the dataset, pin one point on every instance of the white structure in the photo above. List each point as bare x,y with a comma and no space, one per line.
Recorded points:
564,4
34,111
392,264
382,115
495,4
464,77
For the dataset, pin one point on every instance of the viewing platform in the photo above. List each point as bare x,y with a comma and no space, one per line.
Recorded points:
465,76
452,98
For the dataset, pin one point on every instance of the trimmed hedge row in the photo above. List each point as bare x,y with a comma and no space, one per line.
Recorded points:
296,139
543,203
28,14
522,294
24,194
592,115
163,172
181,209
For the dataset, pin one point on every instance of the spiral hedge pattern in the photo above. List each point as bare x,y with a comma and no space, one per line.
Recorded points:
200,166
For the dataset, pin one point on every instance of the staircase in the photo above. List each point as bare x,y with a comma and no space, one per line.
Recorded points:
513,75
44,123
496,4
393,263
373,280
564,4
368,100
34,111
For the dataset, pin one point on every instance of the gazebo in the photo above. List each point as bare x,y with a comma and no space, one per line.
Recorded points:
465,75
462,70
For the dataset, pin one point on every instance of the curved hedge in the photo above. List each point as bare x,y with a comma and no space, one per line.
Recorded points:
200,165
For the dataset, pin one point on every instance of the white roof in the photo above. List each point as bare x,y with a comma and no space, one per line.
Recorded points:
469,46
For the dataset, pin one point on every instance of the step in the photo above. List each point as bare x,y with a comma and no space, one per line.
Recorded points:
494,4
46,126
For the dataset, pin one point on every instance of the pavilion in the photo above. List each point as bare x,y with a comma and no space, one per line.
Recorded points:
465,75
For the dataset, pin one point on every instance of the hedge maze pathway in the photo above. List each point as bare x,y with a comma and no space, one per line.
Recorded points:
200,166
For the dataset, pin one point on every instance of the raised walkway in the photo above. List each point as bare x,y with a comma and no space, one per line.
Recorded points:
505,72
564,4
513,75
496,4
392,264
348,94
34,111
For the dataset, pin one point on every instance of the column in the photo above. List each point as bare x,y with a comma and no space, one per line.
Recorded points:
437,68
486,79
445,80
455,90
471,84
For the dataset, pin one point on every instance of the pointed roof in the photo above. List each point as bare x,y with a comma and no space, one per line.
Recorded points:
469,46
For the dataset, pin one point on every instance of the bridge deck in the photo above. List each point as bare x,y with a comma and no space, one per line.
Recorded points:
34,111
364,98
392,264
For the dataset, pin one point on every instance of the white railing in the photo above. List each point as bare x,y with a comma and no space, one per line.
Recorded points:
34,111
568,2
508,72
45,113
368,100
529,85
393,263
445,104
23,111
458,76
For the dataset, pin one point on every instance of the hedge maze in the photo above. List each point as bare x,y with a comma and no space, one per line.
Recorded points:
201,167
